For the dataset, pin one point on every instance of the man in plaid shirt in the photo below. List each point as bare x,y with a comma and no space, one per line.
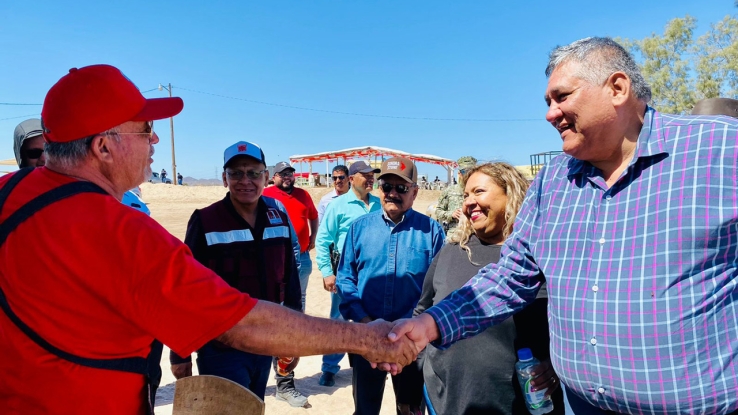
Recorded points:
636,229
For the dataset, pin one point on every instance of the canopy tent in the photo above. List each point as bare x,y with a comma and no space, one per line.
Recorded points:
8,162
371,151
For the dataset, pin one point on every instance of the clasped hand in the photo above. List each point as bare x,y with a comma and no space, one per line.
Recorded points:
408,335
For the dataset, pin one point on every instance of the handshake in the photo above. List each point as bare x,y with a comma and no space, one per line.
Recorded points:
397,344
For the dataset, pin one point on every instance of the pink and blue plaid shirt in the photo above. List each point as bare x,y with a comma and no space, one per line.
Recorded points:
643,305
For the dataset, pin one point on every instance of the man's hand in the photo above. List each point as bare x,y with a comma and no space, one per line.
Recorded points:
420,330
329,284
544,377
182,370
457,214
311,246
293,364
396,354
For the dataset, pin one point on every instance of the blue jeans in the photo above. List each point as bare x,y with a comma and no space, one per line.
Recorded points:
330,361
306,267
248,370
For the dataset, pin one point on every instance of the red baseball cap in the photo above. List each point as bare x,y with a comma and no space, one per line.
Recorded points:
96,98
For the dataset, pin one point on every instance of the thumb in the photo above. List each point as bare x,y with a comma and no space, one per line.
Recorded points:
400,329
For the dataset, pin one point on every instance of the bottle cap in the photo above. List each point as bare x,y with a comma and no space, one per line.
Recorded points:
525,354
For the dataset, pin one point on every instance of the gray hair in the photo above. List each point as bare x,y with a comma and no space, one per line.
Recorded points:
598,58
71,153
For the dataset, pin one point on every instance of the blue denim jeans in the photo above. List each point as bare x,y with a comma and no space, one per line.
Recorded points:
248,370
330,361
306,267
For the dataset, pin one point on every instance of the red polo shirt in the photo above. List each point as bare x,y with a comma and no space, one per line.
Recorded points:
100,280
300,208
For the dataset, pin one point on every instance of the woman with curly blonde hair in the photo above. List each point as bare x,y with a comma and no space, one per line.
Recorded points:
477,375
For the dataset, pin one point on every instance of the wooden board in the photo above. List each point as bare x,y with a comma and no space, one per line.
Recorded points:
213,395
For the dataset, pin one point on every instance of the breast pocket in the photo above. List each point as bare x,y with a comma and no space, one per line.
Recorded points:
413,261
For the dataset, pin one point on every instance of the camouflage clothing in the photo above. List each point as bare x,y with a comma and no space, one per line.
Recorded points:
451,199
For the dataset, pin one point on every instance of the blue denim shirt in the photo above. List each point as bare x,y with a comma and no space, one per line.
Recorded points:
383,265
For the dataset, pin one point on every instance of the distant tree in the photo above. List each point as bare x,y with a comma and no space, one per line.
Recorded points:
682,70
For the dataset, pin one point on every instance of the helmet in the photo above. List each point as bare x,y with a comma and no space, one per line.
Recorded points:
466,162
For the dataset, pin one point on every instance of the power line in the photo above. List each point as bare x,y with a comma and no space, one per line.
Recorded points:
361,114
20,116
19,104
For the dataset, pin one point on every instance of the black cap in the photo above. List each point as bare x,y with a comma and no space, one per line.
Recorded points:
361,167
282,166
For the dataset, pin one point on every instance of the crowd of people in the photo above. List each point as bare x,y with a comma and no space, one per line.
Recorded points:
616,266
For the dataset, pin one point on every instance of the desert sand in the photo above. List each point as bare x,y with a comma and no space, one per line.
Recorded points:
172,206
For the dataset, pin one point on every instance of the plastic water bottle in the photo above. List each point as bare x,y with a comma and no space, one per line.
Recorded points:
535,401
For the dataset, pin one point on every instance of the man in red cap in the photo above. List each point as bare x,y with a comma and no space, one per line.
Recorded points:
81,310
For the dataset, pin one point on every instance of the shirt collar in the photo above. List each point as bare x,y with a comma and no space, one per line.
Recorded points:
650,143
353,198
390,222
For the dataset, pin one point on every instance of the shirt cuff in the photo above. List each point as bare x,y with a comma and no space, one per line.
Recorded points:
357,312
449,327
326,271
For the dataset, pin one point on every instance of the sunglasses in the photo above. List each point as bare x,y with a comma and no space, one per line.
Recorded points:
286,174
33,153
337,178
149,131
238,175
400,188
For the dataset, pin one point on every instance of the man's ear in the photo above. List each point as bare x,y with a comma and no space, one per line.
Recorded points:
100,148
225,183
619,87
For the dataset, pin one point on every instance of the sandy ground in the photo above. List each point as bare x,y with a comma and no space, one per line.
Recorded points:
172,206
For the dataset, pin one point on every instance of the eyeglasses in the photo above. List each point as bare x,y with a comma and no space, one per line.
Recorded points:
33,153
400,188
337,178
238,175
149,133
284,174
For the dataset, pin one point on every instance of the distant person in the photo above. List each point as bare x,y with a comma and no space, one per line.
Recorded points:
304,217
339,215
106,280
386,255
716,106
179,179
477,376
247,243
448,208
28,144
340,180
163,175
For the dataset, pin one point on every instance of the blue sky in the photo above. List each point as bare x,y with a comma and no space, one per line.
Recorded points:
419,59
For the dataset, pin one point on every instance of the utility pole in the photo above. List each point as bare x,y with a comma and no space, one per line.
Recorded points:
171,128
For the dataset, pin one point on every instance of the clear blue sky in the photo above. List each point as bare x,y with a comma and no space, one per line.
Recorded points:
427,59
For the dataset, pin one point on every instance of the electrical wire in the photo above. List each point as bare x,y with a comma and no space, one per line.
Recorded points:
20,116
360,114
357,114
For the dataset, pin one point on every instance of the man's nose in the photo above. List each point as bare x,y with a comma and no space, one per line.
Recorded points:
553,113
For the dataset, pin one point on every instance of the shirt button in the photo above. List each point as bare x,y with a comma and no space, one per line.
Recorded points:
595,288
602,241
593,341
608,197
601,390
